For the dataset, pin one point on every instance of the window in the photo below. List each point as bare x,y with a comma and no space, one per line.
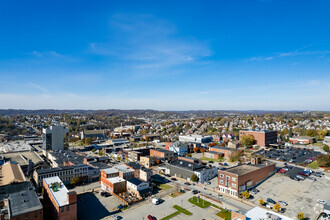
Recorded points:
221,181
62,209
233,179
233,185
67,208
221,175
36,214
27,217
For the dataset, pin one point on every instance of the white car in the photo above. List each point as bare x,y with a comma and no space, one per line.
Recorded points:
283,203
117,217
321,201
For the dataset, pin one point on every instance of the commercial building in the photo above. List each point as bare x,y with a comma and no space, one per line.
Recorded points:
233,144
60,158
140,172
66,174
236,180
23,204
148,161
113,184
226,151
62,202
11,173
195,139
98,134
28,160
54,137
262,138
179,148
302,140
161,153
138,188
185,169
213,155
134,156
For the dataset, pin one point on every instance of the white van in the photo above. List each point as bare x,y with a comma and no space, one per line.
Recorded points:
155,201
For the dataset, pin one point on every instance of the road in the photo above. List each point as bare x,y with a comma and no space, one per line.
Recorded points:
228,202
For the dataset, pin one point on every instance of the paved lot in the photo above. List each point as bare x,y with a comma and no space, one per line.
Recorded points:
93,206
300,196
166,208
297,155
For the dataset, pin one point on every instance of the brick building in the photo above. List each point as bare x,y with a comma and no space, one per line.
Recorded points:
262,138
302,140
236,180
62,203
161,153
222,150
148,161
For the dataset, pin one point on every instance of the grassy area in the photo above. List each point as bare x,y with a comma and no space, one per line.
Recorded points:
164,186
184,211
202,203
171,215
215,206
175,194
212,159
319,143
180,210
313,165
224,214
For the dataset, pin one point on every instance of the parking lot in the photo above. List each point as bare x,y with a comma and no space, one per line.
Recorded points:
301,196
94,206
289,154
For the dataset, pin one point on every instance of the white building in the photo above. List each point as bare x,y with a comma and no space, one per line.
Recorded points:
53,137
195,138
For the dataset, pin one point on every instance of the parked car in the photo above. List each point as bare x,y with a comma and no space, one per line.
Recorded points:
117,217
195,191
320,173
220,164
225,164
311,178
269,206
282,203
303,174
211,161
150,217
174,179
321,201
168,175
186,183
300,177
271,201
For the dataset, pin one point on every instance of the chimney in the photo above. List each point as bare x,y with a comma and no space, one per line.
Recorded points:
72,197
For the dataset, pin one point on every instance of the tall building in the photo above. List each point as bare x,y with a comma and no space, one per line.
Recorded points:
54,137
262,138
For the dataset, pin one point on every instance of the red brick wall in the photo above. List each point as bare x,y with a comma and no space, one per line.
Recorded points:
225,152
261,138
32,215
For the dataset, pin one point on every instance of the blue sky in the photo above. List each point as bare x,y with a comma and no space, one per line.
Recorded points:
165,55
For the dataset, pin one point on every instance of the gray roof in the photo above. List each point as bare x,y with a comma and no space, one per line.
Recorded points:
187,165
223,148
23,202
56,169
135,181
67,155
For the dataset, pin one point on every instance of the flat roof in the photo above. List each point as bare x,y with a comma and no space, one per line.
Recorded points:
23,202
110,170
123,168
116,179
187,165
23,157
260,213
11,172
223,148
244,169
259,131
60,195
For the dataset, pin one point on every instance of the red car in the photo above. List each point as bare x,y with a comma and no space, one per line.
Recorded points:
303,174
282,171
150,217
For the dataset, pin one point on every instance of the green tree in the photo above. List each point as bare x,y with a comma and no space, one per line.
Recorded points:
323,160
194,178
101,152
247,140
88,141
74,181
326,148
